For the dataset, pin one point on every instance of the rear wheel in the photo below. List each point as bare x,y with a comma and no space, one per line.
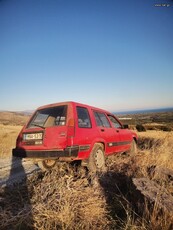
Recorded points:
97,159
47,164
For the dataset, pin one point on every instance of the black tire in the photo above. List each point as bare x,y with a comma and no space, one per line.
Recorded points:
97,159
47,164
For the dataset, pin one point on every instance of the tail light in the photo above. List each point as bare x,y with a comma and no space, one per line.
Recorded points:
71,128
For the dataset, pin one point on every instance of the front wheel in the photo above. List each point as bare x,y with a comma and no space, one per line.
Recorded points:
47,164
97,159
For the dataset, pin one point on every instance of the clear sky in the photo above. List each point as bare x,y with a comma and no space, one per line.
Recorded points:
113,54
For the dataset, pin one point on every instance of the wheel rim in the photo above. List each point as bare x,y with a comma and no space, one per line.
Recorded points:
99,159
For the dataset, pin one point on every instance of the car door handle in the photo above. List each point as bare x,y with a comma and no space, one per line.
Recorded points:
117,131
102,130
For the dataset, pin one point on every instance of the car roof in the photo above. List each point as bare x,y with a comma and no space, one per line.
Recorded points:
73,103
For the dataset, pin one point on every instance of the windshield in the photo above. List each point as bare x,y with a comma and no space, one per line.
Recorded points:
55,116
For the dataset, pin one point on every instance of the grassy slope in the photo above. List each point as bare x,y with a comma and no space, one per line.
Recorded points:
10,125
66,199
13,118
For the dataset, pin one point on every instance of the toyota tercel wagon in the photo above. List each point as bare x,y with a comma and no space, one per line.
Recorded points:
71,131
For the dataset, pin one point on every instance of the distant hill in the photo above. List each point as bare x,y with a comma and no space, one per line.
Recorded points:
13,118
27,112
142,111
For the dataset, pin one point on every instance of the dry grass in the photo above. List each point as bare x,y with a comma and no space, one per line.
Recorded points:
8,135
55,200
65,199
157,149
70,204
13,118
10,125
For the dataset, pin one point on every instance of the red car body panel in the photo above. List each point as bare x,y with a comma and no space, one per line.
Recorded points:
60,131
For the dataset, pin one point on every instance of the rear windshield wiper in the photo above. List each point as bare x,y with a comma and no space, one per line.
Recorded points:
39,126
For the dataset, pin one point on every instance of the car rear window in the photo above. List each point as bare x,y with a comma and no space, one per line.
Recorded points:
55,116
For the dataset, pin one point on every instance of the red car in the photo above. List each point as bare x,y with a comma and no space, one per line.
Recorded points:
71,131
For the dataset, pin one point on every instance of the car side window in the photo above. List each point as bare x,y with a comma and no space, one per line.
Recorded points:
101,119
114,122
83,118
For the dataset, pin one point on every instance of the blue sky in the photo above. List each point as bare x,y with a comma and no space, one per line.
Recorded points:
117,55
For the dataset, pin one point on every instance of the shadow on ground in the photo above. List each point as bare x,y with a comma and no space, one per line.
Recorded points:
122,198
15,205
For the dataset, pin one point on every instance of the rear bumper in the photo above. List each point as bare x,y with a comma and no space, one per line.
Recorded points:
68,152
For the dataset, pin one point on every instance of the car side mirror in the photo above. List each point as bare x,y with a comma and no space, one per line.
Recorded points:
125,126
